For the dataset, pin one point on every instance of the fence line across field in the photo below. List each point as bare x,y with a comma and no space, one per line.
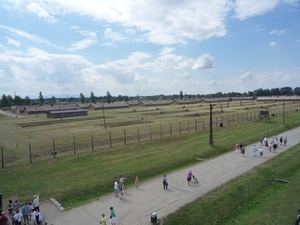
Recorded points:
60,146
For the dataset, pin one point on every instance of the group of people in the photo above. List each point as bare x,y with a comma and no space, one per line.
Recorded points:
112,217
240,147
119,186
29,213
273,143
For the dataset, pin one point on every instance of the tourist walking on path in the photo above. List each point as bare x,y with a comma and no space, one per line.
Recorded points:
261,151
18,218
136,182
241,145
285,141
116,188
103,220
280,140
237,147
10,207
189,177
36,202
165,182
121,192
243,151
261,140
3,219
32,215
113,216
17,205
25,212
254,150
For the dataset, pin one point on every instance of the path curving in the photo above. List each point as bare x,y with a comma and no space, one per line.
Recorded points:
138,204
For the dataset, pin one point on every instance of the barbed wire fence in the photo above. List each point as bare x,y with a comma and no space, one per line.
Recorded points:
60,146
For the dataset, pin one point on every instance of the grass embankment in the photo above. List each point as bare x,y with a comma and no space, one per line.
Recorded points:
78,179
253,198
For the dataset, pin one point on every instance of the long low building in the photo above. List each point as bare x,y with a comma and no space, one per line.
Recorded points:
66,113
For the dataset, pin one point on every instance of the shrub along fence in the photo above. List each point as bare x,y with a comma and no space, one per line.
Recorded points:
65,145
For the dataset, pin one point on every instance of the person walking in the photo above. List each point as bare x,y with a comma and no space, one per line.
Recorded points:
241,146
165,182
32,215
189,177
121,191
261,140
25,212
254,150
136,182
285,141
280,140
10,207
237,147
243,151
3,219
116,188
103,220
113,216
260,151
36,202
18,218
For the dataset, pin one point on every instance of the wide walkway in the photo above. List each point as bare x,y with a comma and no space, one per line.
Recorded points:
138,204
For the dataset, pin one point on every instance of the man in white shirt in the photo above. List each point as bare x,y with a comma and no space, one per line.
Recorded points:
116,188
18,218
36,203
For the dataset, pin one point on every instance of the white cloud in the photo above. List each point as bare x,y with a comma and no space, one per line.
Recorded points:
2,49
272,43
12,42
85,43
279,32
41,12
204,62
248,76
113,35
28,36
250,8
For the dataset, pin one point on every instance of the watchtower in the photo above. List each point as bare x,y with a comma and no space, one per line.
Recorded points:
264,115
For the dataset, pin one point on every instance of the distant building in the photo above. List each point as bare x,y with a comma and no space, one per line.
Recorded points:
66,113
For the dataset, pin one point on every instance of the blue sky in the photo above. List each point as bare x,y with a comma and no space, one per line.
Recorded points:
147,47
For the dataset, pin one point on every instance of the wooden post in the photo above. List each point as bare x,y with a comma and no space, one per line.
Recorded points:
2,158
29,146
74,145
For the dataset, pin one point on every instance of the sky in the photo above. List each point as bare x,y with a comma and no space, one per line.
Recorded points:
147,47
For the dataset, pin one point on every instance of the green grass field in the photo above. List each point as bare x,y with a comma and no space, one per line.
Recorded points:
78,179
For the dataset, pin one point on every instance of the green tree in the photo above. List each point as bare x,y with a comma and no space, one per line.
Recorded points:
4,101
82,98
275,91
181,95
41,98
18,100
53,101
296,91
286,91
27,100
92,97
108,97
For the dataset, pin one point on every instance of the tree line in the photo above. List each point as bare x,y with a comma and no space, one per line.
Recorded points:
8,100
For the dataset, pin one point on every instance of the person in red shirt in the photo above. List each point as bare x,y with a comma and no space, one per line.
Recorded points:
3,219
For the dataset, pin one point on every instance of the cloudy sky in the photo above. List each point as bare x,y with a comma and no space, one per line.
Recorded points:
147,47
